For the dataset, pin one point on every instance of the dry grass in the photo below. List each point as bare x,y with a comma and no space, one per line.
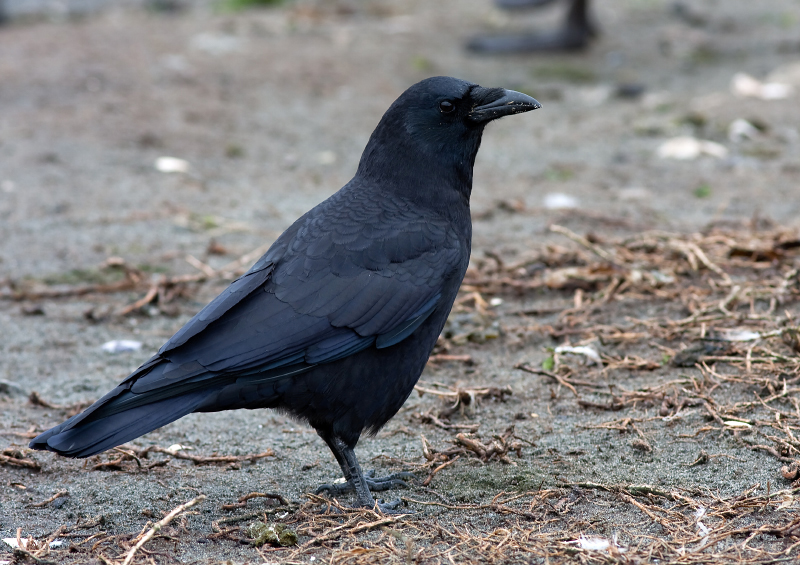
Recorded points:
726,297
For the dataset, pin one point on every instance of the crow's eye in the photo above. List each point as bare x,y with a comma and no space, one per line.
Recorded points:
446,107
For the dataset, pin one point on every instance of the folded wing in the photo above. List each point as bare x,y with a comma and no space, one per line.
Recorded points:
320,294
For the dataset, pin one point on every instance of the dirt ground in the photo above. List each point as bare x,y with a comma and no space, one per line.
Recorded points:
669,438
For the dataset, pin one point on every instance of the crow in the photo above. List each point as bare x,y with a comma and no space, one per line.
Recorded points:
335,323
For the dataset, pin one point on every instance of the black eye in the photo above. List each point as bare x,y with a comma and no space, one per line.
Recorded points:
446,107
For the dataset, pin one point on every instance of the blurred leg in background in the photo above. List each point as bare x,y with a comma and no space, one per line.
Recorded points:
574,35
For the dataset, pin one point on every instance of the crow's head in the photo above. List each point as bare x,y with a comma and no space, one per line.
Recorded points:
438,123
449,109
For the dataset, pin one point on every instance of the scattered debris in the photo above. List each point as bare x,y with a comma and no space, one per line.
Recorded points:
9,388
643,445
273,534
463,399
791,472
443,358
172,165
746,86
560,201
585,351
470,444
740,130
599,544
33,310
144,538
123,454
242,503
15,542
499,448
14,457
738,334
686,148
70,409
44,503
121,346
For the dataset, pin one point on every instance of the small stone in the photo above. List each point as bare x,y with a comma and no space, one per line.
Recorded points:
33,310
9,388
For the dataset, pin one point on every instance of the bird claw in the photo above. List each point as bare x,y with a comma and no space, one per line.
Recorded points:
391,507
334,488
374,483
388,482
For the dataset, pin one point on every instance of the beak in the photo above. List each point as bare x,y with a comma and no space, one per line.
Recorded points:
495,103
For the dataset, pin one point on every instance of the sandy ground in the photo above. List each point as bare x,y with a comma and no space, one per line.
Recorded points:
271,109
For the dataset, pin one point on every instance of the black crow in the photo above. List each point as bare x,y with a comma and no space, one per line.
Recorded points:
334,324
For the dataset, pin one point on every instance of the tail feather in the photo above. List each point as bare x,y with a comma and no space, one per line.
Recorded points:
84,437
152,396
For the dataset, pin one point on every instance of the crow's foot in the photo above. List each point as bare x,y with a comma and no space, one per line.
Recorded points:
376,484
392,507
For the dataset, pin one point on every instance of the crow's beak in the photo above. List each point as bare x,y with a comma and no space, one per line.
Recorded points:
495,103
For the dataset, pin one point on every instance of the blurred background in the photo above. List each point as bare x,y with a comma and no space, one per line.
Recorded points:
150,150
675,115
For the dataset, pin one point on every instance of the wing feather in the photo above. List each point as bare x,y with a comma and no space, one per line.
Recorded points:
342,279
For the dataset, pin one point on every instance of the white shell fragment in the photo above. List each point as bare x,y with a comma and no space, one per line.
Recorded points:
176,447
738,335
13,542
746,86
589,352
787,499
686,148
598,544
786,74
559,200
594,544
121,345
741,129
737,424
172,165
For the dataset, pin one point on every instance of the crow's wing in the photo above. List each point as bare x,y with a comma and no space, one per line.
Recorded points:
350,274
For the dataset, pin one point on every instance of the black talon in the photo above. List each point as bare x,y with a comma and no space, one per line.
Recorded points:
391,507
334,488
376,484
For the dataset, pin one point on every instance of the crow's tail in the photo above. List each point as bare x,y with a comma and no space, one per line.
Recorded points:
118,417
94,435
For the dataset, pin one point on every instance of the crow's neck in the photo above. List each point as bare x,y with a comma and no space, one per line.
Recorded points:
440,181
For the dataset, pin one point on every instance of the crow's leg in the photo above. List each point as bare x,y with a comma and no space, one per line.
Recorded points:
357,481
574,35
521,4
